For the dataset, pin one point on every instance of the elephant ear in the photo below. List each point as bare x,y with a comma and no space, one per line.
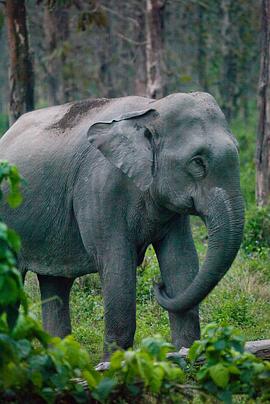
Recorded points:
128,143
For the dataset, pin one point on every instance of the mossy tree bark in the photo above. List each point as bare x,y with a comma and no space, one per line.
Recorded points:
263,135
21,77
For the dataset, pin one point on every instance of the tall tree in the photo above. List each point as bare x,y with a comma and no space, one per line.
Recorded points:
263,136
140,58
105,54
229,33
202,47
155,47
21,75
56,30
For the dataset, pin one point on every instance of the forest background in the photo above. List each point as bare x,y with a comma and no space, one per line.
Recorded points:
80,49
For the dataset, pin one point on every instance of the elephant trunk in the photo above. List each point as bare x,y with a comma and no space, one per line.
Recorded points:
225,221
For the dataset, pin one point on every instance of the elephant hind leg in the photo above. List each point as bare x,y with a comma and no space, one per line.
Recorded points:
55,291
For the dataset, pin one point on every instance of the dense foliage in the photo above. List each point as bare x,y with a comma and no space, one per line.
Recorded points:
11,291
227,369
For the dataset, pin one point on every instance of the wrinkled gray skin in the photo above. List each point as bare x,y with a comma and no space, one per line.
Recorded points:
106,178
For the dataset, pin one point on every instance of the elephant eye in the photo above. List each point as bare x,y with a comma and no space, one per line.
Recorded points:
197,167
198,161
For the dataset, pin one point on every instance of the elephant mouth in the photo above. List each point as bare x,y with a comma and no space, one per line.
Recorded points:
192,209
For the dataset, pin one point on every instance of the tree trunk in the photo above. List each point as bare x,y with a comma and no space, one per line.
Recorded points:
202,49
155,48
228,83
21,76
263,136
140,57
56,30
105,67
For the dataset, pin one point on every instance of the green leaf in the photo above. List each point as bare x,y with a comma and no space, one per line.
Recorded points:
104,388
9,292
176,374
116,360
91,378
24,348
14,240
220,344
220,375
14,199
157,347
157,377
202,373
225,396
233,370
195,351
36,378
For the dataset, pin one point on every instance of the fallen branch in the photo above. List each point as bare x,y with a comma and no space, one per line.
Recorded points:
261,349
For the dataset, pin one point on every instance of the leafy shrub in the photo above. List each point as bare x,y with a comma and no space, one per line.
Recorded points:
235,310
11,291
228,369
257,230
146,370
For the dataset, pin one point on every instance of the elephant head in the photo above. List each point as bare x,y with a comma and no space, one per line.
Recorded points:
180,150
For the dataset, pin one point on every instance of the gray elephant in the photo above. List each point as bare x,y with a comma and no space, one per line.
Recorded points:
107,178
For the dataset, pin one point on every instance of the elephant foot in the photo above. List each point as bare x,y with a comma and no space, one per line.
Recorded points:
102,366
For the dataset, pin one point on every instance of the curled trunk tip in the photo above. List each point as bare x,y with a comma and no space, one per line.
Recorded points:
224,220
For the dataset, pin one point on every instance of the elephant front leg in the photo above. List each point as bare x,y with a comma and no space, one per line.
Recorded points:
119,294
179,264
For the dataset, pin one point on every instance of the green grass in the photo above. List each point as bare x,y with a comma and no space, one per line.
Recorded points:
241,299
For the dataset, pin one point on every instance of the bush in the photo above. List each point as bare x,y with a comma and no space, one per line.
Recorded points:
228,369
257,230
138,374
234,310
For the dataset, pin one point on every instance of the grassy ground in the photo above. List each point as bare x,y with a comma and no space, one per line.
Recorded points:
242,298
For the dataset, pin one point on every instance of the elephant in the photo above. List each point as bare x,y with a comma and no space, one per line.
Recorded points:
106,178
